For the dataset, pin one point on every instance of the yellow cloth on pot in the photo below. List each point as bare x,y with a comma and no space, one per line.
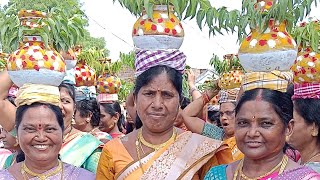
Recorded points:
32,93
275,80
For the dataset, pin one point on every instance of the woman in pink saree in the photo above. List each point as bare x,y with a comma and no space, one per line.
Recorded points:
262,124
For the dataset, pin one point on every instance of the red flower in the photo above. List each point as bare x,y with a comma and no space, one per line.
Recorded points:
172,20
154,27
134,31
313,71
51,68
24,64
314,59
167,30
269,3
274,35
23,57
303,71
160,20
34,38
36,67
83,73
45,57
248,38
174,32
263,42
289,41
141,22
53,57
306,55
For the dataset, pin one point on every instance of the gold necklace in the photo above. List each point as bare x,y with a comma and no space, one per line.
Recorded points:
25,170
158,146
138,153
316,155
92,131
67,135
282,165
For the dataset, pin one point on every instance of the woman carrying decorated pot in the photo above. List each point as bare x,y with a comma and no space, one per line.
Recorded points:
87,115
111,118
70,153
305,136
158,149
227,100
40,129
262,124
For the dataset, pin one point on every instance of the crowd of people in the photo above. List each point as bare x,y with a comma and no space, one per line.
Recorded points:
256,134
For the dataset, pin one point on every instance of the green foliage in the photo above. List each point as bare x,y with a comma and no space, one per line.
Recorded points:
126,88
61,28
91,57
88,41
65,25
185,86
128,59
308,34
222,66
218,19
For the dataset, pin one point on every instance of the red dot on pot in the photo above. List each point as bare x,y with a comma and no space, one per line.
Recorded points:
154,27
174,32
36,67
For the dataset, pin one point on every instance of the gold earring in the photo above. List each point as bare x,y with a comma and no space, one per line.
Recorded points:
17,143
287,138
314,134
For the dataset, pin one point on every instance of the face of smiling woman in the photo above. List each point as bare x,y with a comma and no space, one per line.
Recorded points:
40,135
260,133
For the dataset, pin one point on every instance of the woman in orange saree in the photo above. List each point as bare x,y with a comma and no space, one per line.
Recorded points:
158,150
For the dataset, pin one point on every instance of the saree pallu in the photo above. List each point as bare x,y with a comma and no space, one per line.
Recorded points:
4,155
236,153
81,150
180,159
301,173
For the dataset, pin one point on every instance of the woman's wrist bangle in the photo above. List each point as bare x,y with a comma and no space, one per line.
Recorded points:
192,90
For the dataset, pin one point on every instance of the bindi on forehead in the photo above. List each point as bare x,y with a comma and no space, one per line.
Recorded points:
39,127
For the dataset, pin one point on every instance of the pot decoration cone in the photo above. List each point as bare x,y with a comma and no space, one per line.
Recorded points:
306,68
232,78
84,74
108,84
273,49
163,31
229,70
33,62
